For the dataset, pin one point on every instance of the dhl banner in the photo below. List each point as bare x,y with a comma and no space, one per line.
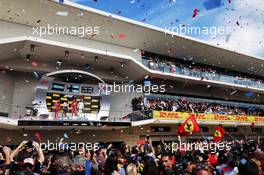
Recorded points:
168,115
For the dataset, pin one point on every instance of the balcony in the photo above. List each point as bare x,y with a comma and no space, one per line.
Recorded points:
203,74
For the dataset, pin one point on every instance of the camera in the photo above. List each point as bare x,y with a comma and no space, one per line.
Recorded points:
29,144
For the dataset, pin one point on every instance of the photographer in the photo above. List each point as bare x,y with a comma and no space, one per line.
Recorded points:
26,149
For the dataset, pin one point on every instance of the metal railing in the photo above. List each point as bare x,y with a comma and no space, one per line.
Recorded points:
207,101
181,70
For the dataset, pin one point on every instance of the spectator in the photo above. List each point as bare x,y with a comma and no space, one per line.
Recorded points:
183,105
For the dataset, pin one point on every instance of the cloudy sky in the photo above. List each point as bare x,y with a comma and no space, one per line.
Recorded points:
242,18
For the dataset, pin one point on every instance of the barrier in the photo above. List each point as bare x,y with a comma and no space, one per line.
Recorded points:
168,115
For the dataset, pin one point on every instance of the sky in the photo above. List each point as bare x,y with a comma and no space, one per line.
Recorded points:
241,21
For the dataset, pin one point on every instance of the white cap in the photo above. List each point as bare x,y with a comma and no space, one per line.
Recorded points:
29,160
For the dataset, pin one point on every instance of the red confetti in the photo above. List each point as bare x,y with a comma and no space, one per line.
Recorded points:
195,13
37,137
34,64
44,82
121,36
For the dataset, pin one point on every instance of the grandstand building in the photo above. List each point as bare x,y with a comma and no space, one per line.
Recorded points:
46,58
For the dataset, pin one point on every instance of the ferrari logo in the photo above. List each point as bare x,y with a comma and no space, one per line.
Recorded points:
218,134
189,126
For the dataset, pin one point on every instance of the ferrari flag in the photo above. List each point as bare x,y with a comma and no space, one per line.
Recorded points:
189,127
219,133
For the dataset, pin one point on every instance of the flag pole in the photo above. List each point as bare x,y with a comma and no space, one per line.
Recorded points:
229,135
201,131
202,134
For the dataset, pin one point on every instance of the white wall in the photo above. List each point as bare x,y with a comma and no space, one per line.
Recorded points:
24,89
11,30
16,89
120,103
6,92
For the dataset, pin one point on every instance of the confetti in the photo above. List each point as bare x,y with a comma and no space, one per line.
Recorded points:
37,137
34,64
136,50
65,135
35,74
92,35
195,13
249,94
227,38
232,93
62,13
87,67
121,36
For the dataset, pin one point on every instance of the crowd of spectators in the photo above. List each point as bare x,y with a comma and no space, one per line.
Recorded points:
243,157
200,72
183,105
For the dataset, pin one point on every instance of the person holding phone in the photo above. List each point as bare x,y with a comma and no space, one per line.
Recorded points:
28,156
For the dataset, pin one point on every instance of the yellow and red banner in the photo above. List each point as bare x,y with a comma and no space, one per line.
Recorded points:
178,116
